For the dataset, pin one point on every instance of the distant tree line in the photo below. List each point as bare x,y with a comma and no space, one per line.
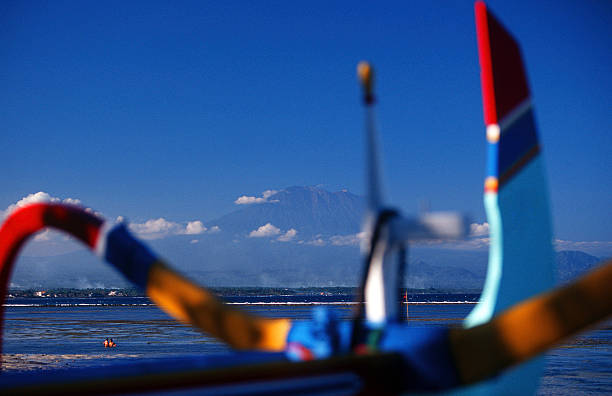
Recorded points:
220,291
75,293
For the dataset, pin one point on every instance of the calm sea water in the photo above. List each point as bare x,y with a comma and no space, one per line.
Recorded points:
45,333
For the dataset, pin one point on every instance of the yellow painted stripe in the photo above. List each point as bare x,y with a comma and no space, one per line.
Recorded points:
192,304
531,327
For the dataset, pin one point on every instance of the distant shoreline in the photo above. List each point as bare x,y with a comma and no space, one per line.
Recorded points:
220,291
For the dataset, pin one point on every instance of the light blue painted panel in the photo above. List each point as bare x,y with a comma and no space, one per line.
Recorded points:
521,264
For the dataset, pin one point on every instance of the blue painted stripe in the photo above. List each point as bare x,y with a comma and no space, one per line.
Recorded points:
323,336
492,159
129,255
428,361
517,141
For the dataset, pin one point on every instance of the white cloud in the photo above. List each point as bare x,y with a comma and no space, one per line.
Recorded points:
265,231
584,244
150,229
247,200
316,242
347,240
603,248
43,236
469,244
72,201
161,228
40,196
475,243
337,240
596,248
268,193
287,236
155,228
479,229
195,227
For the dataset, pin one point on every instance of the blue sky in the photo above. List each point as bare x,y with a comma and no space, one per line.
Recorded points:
175,109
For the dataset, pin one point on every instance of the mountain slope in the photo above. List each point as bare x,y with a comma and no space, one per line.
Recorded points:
309,210
572,263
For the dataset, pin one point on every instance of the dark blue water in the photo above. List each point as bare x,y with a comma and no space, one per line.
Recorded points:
42,333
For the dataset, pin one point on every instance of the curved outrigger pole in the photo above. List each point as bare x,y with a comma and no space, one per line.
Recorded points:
175,294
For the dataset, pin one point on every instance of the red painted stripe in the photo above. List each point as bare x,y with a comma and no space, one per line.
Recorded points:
300,351
486,67
502,75
509,78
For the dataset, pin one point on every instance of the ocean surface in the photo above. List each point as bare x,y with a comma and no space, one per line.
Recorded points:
45,333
